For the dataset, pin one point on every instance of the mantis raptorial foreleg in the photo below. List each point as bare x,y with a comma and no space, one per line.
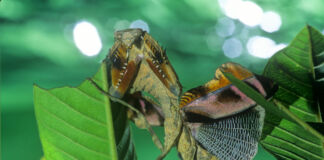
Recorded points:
172,123
186,144
140,116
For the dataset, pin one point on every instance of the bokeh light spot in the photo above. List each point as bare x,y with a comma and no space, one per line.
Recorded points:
232,48
231,8
271,22
86,38
140,24
263,47
249,13
225,27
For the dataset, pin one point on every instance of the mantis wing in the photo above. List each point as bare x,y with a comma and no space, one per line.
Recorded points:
223,120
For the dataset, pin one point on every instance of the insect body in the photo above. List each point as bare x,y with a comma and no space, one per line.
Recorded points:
146,69
213,121
131,48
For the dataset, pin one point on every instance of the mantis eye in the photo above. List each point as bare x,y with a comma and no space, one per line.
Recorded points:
123,61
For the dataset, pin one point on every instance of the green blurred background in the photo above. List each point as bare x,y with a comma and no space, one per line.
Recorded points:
53,43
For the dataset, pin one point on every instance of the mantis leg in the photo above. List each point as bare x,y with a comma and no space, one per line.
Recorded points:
155,138
172,127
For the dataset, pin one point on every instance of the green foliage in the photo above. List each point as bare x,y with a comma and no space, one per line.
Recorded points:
36,45
77,122
295,68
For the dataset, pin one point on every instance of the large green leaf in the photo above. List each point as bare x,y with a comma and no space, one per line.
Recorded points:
280,111
79,123
293,69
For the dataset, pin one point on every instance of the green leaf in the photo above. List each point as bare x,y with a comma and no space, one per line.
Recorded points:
281,112
79,122
295,69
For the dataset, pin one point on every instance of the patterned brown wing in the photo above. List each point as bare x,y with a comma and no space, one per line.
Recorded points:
123,60
222,119
218,98
160,65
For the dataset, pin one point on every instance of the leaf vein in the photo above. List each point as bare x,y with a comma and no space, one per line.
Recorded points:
72,126
300,49
282,149
297,137
61,150
298,81
298,96
320,54
76,111
294,61
81,91
74,142
320,80
296,146
319,66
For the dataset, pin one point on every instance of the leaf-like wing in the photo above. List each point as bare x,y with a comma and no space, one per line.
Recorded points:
79,122
224,121
218,98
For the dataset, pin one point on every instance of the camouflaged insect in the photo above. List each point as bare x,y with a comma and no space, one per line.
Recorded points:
136,63
213,121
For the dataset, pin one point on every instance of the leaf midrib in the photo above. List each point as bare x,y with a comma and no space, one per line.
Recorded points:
108,113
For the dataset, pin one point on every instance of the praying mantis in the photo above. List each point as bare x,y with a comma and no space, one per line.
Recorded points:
212,121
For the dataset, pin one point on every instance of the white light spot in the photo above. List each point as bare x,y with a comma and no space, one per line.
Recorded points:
263,47
271,22
323,31
231,8
86,38
250,13
247,12
140,24
232,48
225,27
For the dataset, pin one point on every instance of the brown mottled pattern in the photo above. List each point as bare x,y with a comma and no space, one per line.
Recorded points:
218,82
147,81
228,96
167,74
156,71
128,77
